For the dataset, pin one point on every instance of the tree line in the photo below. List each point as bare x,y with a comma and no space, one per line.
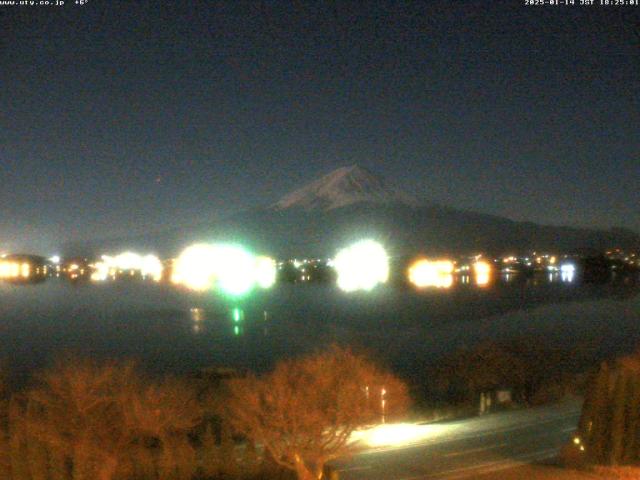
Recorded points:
530,368
609,428
84,420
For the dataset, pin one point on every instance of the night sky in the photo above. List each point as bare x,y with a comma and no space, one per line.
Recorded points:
126,117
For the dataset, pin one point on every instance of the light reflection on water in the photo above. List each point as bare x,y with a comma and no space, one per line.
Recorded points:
171,330
198,316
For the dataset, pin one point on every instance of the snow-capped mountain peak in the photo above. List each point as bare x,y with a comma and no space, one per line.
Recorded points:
342,187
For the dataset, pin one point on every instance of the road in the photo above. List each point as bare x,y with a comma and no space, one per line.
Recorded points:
465,448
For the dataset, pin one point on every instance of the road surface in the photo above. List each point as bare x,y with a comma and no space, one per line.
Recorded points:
465,448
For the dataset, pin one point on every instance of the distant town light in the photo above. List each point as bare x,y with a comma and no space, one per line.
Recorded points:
148,266
229,268
151,266
567,272
25,270
194,267
265,272
482,271
567,268
234,269
100,271
361,266
428,273
9,270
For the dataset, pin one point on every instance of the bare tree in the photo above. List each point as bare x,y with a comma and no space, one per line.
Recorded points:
304,412
107,421
75,412
163,414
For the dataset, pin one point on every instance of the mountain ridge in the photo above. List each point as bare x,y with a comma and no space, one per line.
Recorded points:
342,187
351,203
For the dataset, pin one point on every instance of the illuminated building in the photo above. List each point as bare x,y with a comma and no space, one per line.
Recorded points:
127,265
482,271
307,271
23,268
361,266
76,269
425,273
229,269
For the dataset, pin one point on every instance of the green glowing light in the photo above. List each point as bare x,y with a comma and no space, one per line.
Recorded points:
234,270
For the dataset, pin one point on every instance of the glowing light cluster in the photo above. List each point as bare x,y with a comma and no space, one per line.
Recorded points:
194,267
567,268
428,273
149,266
229,268
567,272
234,269
482,271
395,435
361,266
265,272
14,270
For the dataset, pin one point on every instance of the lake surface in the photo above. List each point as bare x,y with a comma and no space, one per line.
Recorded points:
170,330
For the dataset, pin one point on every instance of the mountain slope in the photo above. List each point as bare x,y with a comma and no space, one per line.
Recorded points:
342,187
350,204
409,230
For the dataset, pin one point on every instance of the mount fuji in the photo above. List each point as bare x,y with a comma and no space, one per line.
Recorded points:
342,187
350,204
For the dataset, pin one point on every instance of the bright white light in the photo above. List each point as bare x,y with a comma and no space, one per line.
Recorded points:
399,434
426,273
151,266
194,267
55,259
265,272
234,269
361,266
229,268
13,270
148,266
567,272
25,270
127,261
100,271
567,268
483,272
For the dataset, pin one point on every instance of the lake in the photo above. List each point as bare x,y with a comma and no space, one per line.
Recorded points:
171,330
